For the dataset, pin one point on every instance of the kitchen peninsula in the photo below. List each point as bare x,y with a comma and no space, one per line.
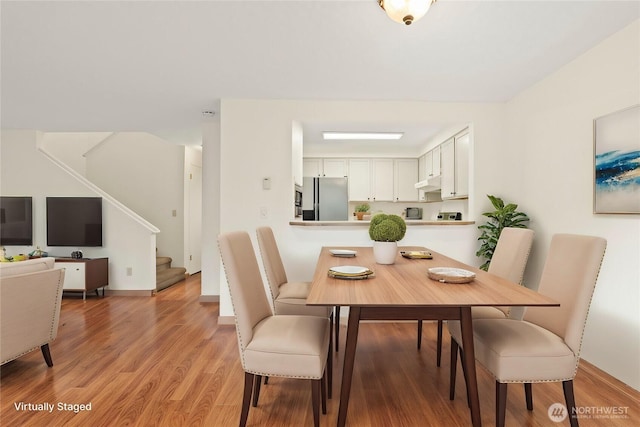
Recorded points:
453,238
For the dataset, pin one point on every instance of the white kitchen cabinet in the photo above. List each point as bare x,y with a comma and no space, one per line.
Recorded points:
432,163
455,167
315,167
422,168
334,168
371,180
435,161
359,180
311,167
382,176
428,164
405,178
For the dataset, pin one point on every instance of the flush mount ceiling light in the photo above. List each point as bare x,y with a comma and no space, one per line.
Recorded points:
405,11
361,135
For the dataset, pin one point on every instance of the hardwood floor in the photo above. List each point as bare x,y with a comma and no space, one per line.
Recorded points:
164,361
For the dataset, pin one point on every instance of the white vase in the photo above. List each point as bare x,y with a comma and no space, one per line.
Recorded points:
385,252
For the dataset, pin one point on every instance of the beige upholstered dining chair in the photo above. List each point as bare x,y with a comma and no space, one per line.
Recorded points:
288,297
288,346
545,345
508,261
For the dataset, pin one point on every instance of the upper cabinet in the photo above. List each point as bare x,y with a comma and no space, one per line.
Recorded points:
333,168
455,167
383,180
429,174
359,180
435,161
311,167
406,175
431,163
371,180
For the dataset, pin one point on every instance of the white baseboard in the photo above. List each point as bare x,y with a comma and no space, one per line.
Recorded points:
226,320
209,298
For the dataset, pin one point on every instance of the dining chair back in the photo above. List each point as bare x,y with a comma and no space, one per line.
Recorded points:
250,303
510,257
545,345
569,277
287,297
509,261
272,261
290,346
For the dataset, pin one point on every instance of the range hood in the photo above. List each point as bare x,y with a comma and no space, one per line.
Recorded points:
430,184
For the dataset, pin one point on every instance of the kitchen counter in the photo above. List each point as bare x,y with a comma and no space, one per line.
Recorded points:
366,223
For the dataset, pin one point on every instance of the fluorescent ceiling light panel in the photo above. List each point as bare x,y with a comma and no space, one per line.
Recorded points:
361,135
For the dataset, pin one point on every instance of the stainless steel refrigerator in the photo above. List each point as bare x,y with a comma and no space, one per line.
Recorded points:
325,199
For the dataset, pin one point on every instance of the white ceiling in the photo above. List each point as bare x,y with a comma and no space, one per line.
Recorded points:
155,66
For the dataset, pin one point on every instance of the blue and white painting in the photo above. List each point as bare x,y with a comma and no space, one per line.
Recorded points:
617,162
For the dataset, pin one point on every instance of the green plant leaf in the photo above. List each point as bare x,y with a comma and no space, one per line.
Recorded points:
504,215
387,228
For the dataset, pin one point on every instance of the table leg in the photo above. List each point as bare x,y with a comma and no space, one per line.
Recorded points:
469,361
349,357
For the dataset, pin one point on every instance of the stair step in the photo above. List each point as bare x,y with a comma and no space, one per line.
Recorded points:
163,262
169,276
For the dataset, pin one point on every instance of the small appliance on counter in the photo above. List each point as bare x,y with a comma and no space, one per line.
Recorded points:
413,213
449,216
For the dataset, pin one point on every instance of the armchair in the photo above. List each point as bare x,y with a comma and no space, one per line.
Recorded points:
29,308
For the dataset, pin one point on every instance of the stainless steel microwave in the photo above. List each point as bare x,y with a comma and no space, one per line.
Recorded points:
413,213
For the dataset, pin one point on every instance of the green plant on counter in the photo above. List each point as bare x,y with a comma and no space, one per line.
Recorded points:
387,228
503,216
363,207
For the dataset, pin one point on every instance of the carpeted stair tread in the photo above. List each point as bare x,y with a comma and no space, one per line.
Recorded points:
167,275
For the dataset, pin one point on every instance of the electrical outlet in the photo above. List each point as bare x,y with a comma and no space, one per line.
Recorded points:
129,271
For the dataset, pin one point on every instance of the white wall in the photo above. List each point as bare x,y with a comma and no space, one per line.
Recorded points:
27,171
256,140
192,200
211,208
146,174
535,151
552,125
71,147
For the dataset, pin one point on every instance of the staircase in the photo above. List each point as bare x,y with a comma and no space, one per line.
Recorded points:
167,275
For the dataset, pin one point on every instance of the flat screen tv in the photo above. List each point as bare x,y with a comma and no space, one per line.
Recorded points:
16,221
74,221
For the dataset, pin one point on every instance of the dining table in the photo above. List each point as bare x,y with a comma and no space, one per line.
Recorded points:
404,291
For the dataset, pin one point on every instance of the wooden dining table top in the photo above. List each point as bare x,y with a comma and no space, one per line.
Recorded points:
406,283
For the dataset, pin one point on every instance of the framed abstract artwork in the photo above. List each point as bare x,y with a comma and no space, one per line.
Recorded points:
616,140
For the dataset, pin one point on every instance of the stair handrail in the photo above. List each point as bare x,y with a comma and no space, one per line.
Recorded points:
83,180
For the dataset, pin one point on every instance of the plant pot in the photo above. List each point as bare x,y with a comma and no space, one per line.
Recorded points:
385,252
360,215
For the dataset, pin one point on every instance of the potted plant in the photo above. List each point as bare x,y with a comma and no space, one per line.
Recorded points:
361,210
385,231
503,216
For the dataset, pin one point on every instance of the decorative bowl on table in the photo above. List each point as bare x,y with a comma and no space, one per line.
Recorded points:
450,275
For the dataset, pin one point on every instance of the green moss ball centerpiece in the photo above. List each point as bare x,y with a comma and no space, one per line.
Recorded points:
385,231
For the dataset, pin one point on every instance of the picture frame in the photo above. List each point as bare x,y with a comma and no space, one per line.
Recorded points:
616,147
